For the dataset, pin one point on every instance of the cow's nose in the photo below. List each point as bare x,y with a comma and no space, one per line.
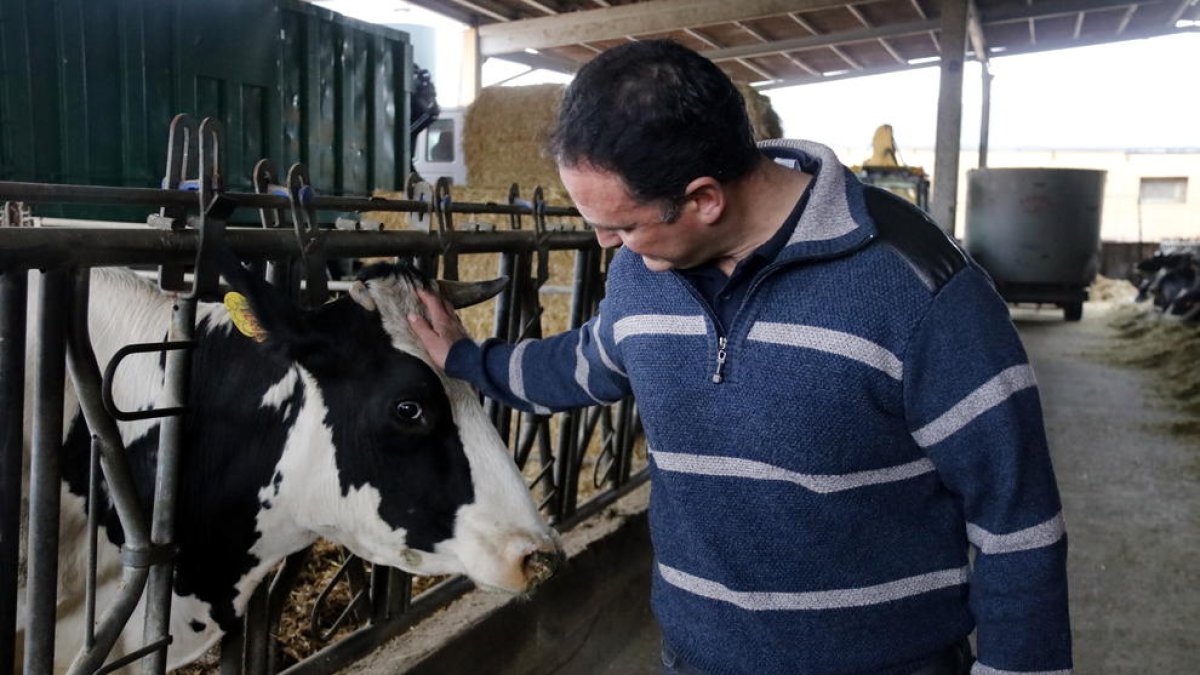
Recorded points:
541,565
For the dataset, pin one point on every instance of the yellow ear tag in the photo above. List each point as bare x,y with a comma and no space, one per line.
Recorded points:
243,316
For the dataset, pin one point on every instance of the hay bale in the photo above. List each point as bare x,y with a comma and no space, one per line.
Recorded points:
505,134
763,118
506,129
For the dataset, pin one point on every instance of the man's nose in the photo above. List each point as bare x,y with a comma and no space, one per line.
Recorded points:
607,239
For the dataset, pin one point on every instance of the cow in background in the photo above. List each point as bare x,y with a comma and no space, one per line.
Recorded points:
1172,281
335,425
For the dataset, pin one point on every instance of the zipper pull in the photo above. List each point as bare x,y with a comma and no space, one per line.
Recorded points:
721,355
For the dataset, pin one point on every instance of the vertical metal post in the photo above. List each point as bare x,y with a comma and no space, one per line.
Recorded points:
44,480
257,622
170,441
985,115
949,114
13,288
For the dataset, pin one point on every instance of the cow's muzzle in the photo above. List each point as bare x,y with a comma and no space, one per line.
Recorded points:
541,565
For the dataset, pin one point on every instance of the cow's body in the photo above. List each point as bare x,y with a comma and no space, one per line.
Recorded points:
307,436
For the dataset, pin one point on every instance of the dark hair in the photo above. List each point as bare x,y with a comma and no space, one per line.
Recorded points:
657,114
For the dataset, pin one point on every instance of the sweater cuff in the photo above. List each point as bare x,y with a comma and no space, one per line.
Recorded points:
463,359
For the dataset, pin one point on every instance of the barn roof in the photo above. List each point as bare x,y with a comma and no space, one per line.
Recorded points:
774,43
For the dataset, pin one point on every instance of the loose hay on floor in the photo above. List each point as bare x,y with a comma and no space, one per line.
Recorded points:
1145,338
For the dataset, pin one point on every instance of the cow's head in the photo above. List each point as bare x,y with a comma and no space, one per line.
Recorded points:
388,456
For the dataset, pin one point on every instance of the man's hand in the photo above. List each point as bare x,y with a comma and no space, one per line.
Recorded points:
440,331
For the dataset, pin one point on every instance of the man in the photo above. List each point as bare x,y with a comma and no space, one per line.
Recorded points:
834,397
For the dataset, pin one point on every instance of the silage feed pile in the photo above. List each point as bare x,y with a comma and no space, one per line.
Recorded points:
1170,348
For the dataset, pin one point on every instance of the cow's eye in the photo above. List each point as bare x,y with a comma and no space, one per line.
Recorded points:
409,411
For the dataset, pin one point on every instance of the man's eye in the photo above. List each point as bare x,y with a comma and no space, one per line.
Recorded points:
409,411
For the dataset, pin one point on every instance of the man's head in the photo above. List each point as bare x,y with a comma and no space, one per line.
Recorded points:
658,115
651,131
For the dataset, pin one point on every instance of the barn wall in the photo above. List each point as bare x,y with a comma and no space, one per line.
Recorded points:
88,89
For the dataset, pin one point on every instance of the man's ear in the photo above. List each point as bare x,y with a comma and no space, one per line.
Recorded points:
707,196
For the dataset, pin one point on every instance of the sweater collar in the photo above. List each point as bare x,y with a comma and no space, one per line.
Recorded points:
835,220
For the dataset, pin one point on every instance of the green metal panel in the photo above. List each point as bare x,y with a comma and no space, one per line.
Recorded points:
88,88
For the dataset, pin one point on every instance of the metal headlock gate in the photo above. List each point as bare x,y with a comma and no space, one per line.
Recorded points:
293,249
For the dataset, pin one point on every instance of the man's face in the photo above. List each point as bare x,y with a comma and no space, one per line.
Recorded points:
620,220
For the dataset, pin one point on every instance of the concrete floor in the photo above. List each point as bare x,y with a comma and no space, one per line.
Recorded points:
1131,495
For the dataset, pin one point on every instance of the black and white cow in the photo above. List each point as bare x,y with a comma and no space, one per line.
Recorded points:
335,426
1172,280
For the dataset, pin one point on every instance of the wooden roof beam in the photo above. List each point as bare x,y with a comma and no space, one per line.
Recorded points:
854,65
882,42
1126,18
795,61
975,34
761,72
609,23
480,8
822,40
1177,14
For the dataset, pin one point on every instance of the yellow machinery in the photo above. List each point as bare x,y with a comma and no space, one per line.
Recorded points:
885,169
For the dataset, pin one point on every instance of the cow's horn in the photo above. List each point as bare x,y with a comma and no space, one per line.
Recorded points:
466,293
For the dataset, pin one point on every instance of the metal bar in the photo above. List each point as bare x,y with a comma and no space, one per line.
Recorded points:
13,289
949,115
258,638
40,193
133,656
85,377
985,122
44,479
166,481
110,371
93,557
281,587
28,247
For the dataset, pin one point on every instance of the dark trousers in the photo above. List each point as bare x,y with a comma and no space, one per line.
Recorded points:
955,660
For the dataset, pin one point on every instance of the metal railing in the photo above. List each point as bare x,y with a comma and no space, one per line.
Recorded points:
293,248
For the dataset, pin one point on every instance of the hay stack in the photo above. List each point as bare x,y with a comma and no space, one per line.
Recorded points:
505,134
506,129
763,118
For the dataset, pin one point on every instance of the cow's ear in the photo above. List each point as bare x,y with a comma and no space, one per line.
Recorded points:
360,294
262,312
464,294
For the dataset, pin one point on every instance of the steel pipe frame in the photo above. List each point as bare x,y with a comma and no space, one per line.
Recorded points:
41,584
23,248
13,299
85,376
166,480
32,247
52,193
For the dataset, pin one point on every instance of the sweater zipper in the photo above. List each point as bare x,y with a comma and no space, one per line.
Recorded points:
718,375
722,342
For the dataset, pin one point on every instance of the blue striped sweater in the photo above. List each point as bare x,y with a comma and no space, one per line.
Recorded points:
876,418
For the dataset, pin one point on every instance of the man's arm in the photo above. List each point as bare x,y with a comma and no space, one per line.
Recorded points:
569,370
973,406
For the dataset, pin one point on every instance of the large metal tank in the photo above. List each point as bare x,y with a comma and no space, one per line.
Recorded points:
1037,232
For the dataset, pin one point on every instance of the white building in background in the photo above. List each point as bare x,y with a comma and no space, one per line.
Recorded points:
1149,195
